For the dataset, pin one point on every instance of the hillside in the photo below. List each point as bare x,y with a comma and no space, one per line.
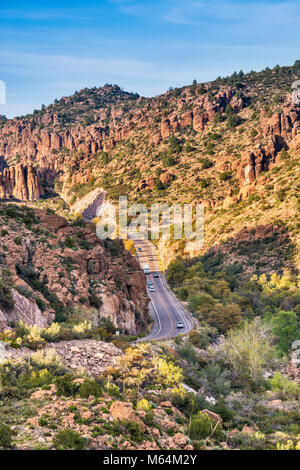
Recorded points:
52,270
235,141
70,303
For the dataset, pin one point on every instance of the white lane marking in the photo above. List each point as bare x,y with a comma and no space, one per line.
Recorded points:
183,315
155,311
165,288
159,323
175,301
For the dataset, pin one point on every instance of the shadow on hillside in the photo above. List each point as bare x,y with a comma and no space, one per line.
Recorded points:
262,249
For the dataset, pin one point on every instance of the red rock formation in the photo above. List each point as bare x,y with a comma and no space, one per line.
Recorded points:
166,177
20,181
147,183
281,123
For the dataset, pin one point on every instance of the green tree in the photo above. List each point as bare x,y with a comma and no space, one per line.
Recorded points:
176,272
249,350
285,327
5,436
70,440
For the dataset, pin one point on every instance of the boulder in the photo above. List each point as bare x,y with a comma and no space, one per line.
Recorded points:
123,410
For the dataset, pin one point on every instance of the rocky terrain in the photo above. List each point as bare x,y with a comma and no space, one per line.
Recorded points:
235,140
71,303
20,182
50,269
88,355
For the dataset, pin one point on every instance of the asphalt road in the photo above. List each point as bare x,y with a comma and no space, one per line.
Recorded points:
165,309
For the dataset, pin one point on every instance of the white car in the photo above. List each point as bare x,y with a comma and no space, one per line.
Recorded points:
151,289
180,324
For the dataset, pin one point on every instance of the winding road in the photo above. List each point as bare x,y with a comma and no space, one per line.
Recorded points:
165,308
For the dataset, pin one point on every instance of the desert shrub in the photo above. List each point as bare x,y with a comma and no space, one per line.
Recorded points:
46,359
287,388
224,176
18,240
174,144
223,317
205,163
52,333
89,387
129,246
41,303
233,120
217,378
283,154
6,298
65,385
113,246
203,426
144,405
176,272
188,353
221,409
149,419
285,327
187,402
202,338
95,301
70,440
82,329
5,436
182,293
167,372
23,290
133,428
168,160
31,338
198,300
249,350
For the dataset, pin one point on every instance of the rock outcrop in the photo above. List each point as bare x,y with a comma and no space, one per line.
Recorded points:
25,310
74,270
20,182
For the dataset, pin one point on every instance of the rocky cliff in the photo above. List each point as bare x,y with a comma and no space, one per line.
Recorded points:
53,268
20,182
232,144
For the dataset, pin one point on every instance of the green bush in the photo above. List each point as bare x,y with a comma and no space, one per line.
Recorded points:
95,301
5,436
203,426
221,409
41,304
89,388
188,353
285,327
205,163
6,298
65,385
70,440
133,428
187,402
288,388
182,293
233,120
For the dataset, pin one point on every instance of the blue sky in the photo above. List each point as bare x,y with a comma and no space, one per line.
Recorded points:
51,49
